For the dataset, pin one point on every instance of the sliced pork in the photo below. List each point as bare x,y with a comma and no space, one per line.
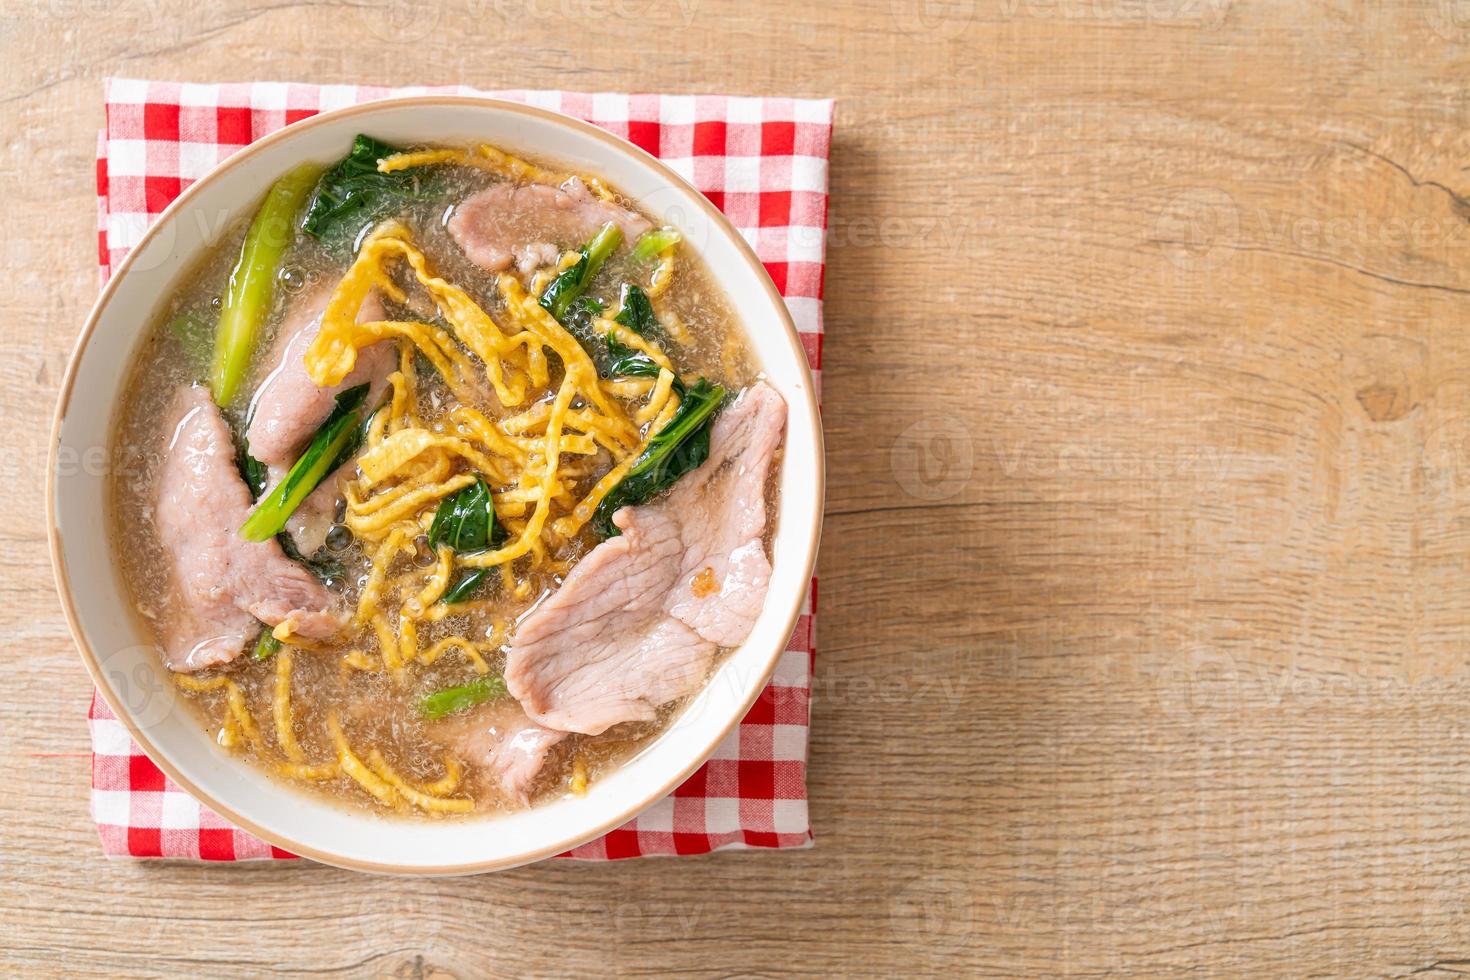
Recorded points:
507,746
602,649
721,512
529,224
226,585
639,619
288,407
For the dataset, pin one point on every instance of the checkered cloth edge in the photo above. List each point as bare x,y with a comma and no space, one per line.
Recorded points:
762,161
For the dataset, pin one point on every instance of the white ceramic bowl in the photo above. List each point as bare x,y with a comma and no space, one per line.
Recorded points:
120,653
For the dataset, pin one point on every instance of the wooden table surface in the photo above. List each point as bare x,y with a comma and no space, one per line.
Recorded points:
1145,609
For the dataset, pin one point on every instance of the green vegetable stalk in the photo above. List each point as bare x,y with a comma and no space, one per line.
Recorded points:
570,284
265,647
437,704
654,242
679,447
252,287
335,442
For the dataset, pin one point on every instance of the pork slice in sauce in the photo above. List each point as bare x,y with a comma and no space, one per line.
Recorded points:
226,585
602,649
639,619
505,745
529,224
721,509
288,407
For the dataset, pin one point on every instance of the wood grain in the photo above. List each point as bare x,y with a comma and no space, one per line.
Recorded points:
1145,614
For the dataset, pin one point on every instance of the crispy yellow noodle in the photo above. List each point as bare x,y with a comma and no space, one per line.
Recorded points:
493,160
281,708
418,798
355,769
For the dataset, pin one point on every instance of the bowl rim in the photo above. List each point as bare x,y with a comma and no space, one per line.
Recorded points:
244,155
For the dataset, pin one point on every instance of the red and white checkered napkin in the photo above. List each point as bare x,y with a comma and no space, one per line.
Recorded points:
763,162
